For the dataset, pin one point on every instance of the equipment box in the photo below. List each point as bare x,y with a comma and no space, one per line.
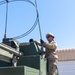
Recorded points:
35,61
22,70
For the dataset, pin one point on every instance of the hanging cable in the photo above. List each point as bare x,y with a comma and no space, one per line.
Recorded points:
29,31
38,20
34,25
6,19
39,24
2,2
32,28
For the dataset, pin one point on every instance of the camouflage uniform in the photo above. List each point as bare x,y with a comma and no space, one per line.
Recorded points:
51,57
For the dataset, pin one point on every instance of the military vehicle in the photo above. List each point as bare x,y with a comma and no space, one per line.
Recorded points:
21,58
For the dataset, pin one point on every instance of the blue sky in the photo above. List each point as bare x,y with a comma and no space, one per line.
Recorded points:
56,16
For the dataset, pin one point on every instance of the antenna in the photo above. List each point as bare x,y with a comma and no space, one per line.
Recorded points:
6,18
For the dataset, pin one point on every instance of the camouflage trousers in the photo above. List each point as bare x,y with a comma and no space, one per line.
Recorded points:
52,69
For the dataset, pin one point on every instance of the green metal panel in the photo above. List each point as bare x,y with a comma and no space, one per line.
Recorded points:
22,70
36,62
12,71
30,71
29,49
31,61
42,66
4,64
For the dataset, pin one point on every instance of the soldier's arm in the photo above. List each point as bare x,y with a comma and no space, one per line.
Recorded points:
52,45
38,43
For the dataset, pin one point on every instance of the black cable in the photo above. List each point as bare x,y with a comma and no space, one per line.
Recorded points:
34,25
2,2
32,28
39,24
7,1
38,20
24,0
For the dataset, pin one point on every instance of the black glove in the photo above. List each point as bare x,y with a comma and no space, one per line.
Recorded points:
41,41
31,40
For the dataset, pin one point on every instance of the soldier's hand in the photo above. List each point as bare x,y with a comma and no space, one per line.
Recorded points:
41,41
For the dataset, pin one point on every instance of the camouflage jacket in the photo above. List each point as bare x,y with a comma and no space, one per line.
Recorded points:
51,51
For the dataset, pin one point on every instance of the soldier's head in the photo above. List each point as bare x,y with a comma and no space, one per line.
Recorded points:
49,37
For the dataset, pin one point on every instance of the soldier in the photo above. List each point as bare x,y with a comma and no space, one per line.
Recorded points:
50,53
